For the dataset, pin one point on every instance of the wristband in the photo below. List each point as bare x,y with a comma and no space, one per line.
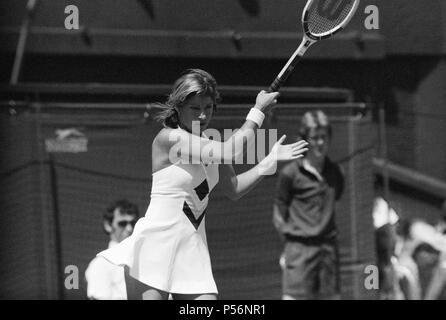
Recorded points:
256,116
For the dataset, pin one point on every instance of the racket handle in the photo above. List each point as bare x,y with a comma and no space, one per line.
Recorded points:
275,86
291,63
285,73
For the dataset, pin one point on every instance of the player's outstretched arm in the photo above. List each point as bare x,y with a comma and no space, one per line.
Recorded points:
192,148
236,186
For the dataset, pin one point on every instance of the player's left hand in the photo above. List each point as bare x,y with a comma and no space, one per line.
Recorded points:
286,152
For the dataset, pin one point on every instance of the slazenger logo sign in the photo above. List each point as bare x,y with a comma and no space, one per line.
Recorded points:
67,140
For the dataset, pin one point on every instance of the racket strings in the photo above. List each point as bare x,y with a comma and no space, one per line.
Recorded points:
319,24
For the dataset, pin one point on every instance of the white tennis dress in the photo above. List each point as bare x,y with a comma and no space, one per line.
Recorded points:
168,248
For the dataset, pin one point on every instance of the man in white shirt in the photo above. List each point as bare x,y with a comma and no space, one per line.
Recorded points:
106,281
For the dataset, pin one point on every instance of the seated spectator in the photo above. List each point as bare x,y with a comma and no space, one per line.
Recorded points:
436,290
410,256
106,281
427,259
393,277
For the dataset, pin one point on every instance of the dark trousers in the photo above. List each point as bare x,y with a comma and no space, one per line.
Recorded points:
311,270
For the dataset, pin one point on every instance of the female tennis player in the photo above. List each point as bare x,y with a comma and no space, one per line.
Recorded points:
167,252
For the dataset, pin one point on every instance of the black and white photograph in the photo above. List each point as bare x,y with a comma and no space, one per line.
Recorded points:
228,150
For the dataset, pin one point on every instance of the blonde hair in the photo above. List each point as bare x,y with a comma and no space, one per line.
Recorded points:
192,82
313,120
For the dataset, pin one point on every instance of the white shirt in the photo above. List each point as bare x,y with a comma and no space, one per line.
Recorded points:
105,281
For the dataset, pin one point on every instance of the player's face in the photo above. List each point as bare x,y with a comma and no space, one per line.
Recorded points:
197,108
318,140
122,226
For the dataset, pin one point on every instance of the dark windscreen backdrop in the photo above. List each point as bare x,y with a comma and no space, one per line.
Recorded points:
53,201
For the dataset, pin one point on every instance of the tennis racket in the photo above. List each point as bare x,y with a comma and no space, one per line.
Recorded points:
321,19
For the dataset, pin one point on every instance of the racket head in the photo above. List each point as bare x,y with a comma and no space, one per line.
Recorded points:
323,18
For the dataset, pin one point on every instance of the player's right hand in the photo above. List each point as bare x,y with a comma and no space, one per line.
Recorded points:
265,101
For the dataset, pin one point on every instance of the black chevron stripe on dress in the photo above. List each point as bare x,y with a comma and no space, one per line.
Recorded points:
188,212
202,190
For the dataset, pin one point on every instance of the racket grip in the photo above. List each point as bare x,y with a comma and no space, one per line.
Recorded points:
275,86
